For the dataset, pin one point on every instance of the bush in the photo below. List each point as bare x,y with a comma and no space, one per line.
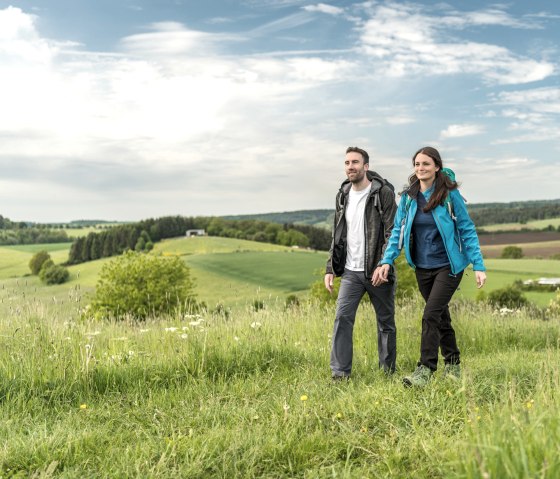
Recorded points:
554,306
512,252
292,301
142,285
37,261
53,274
508,297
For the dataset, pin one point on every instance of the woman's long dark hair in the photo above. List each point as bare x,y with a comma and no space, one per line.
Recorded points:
442,183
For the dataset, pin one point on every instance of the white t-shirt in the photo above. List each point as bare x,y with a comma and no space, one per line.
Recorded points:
355,232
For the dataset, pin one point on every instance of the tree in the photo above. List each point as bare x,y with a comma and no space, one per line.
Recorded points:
142,285
37,261
512,252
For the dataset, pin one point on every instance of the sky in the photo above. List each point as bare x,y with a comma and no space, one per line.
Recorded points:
133,109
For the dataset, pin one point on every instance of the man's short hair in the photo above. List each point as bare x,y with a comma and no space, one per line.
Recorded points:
355,149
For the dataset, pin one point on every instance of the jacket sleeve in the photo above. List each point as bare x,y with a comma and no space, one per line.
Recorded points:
467,231
329,268
392,249
389,209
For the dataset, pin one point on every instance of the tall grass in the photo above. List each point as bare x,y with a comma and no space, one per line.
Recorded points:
249,395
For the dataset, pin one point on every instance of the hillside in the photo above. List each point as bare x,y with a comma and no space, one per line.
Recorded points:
483,214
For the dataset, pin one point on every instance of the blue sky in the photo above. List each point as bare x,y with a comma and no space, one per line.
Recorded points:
134,109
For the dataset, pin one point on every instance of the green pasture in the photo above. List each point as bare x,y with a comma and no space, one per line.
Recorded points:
212,244
227,277
533,225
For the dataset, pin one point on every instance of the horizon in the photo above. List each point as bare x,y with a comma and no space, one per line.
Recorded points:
109,221
132,110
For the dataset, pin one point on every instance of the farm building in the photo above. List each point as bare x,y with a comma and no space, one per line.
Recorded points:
190,233
544,281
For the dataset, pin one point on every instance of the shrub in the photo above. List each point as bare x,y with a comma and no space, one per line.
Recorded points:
554,305
258,305
512,252
292,301
37,261
53,273
140,285
508,297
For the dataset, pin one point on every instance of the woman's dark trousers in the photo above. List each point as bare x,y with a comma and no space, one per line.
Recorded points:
437,287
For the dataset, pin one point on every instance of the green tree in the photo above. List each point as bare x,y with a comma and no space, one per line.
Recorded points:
142,285
37,261
512,252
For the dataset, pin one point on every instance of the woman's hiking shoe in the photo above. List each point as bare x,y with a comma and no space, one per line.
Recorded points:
418,378
452,371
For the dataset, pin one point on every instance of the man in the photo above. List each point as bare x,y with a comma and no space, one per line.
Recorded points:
365,210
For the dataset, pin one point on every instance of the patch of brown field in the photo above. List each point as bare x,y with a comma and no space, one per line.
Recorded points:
518,238
544,249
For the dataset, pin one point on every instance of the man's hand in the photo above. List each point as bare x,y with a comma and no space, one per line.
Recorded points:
329,281
380,275
480,277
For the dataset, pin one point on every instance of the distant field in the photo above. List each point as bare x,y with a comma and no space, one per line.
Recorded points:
276,272
76,232
537,224
503,272
34,248
543,249
236,272
212,244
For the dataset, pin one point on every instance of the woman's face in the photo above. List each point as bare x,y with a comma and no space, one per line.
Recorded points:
425,168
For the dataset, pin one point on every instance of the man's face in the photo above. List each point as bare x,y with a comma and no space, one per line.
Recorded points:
354,167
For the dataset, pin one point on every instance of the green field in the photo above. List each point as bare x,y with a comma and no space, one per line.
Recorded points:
532,225
234,273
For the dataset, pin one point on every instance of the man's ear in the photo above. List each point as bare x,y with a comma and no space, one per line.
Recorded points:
366,166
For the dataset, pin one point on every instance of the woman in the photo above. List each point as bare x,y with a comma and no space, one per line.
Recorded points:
440,241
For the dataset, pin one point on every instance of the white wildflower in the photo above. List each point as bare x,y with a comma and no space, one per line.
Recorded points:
256,325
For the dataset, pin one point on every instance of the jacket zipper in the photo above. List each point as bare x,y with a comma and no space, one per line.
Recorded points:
453,268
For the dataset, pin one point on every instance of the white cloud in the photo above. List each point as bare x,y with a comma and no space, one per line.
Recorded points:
405,41
457,131
324,8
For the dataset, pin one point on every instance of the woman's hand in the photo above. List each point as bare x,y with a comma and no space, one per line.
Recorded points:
480,277
380,275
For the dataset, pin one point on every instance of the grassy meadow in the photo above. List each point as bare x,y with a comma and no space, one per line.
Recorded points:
248,393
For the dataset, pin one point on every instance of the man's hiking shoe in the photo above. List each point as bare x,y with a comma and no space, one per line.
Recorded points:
418,378
452,371
340,377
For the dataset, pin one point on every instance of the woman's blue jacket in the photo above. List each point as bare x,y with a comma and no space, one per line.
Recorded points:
459,234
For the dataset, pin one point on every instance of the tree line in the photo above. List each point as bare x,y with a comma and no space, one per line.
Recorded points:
514,212
142,235
12,233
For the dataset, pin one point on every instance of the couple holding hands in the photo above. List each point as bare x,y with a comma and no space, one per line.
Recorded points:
431,222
